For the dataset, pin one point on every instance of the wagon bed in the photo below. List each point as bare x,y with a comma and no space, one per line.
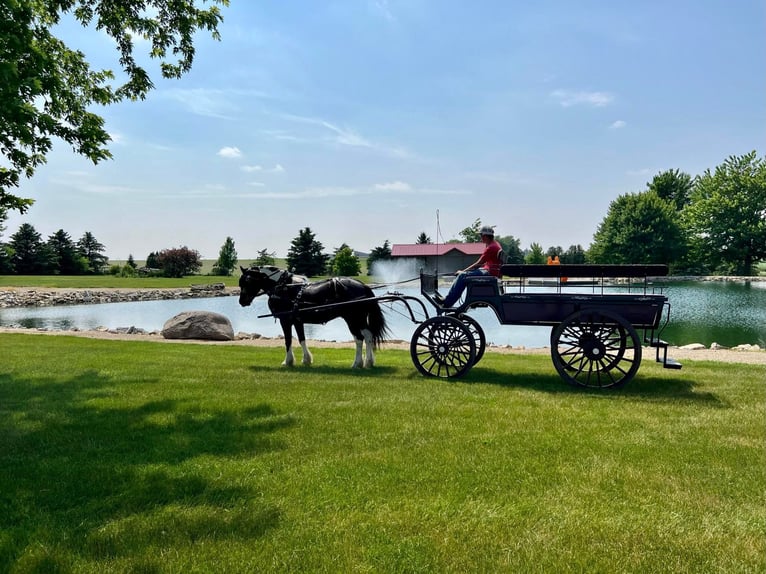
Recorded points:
594,318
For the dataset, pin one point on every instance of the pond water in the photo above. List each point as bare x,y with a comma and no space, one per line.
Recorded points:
727,313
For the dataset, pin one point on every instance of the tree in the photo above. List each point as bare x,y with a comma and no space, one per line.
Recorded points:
151,261
131,262
5,255
535,255
227,258
556,251
471,233
47,89
90,248
382,253
67,259
638,228
345,263
512,249
574,254
726,217
673,186
305,255
179,261
423,239
30,255
265,258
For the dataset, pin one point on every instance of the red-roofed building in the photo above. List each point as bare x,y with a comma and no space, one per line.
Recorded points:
444,258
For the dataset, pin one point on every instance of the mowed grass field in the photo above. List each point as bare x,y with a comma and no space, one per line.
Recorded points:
127,456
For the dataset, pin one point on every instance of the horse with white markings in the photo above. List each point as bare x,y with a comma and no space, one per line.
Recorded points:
295,301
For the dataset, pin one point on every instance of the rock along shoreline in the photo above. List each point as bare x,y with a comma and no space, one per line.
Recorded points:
29,297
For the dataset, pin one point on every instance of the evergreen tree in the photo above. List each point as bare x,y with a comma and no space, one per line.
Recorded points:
5,256
423,239
67,260
227,258
382,253
345,263
265,258
93,251
30,256
151,261
305,255
131,262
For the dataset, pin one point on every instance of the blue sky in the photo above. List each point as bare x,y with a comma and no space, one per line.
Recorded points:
363,119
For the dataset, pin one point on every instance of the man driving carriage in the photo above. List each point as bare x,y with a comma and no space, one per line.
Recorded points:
488,264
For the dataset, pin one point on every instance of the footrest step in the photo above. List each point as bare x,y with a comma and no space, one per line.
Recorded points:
671,364
657,343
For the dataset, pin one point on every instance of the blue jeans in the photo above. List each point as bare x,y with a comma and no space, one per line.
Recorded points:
459,286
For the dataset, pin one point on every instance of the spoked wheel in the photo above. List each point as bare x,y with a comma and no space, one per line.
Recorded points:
443,347
595,349
478,335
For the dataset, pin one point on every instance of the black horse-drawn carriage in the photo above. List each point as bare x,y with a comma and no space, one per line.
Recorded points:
594,312
594,338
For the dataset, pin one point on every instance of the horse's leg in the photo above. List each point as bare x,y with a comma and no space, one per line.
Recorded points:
288,333
307,358
369,360
359,339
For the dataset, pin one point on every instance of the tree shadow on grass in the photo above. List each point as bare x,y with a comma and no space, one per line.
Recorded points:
649,388
86,476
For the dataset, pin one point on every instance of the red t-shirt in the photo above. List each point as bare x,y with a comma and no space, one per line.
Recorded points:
490,259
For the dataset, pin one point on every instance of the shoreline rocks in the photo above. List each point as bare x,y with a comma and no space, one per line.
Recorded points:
24,297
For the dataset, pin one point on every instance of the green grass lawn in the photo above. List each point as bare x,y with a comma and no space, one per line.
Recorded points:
145,457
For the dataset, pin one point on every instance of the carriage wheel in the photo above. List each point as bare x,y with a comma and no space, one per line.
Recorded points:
478,335
444,347
595,349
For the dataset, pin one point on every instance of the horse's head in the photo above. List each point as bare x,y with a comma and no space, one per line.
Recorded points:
257,281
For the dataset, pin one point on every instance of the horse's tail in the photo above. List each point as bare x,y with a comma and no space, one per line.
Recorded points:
376,321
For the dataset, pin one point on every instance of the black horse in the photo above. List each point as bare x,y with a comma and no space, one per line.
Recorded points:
295,301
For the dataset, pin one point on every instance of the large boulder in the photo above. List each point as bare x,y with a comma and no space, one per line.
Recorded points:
198,325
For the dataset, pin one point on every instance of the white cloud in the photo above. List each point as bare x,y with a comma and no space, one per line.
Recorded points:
229,152
399,186
203,102
382,7
569,98
617,125
259,168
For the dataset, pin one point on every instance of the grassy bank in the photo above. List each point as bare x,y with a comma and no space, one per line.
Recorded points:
144,457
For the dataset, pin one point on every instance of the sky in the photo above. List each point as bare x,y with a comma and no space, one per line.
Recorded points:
375,120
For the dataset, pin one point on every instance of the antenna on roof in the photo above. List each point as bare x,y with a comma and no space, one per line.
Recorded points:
438,230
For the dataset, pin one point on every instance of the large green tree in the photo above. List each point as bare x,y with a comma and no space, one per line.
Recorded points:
536,255
305,255
726,217
5,256
48,90
674,186
638,228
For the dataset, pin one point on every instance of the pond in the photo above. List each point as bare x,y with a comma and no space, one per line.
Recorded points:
701,312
